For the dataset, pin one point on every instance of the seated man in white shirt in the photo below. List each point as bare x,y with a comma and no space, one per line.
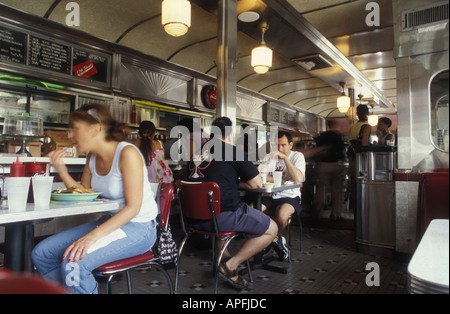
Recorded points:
287,202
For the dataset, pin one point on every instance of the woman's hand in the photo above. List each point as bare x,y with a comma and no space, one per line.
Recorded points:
78,249
57,160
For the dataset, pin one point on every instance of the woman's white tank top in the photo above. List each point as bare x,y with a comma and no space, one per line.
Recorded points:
111,186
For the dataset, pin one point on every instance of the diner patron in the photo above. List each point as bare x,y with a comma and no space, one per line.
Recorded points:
286,202
117,169
229,173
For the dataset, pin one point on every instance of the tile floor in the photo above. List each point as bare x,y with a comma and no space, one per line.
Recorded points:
328,264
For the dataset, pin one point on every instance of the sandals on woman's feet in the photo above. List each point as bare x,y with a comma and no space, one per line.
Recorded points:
240,283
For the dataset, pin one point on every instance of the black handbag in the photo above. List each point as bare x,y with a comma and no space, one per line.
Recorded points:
165,247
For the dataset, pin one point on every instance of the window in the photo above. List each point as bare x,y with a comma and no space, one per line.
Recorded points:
439,111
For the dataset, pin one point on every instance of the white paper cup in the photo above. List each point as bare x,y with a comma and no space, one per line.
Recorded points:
390,143
42,191
17,188
277,175
264,177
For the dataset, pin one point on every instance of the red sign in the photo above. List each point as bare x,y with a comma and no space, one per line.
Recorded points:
85,69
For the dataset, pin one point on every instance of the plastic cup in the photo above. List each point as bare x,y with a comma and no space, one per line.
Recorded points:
390,143
264,177
17,188
277,175
42,190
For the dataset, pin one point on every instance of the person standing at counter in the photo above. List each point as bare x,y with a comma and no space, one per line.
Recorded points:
117,169
360,131
359,136
384,135
330,170
287,202
153,152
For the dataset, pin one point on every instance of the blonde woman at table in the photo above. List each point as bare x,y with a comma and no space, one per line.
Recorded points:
117,169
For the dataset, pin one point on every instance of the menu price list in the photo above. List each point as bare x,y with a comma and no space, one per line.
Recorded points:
12,45
49,55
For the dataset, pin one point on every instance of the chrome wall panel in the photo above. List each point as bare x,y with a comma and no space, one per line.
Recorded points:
150,84
416,150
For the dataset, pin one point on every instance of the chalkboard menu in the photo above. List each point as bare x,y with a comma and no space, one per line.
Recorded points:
49,55
12,46
89,65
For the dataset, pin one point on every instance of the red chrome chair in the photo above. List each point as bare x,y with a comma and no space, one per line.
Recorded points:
164,198
201,200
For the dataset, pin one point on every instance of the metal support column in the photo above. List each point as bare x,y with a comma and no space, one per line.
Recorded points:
226,59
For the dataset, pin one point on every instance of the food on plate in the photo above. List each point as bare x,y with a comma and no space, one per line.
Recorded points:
74,190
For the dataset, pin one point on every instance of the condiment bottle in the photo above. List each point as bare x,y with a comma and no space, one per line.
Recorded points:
17,169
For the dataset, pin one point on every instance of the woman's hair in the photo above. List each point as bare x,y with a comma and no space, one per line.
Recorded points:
146,130
386,121
97,113
362,111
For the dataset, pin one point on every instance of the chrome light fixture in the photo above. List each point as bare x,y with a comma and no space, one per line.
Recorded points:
176,17
343,101
262,55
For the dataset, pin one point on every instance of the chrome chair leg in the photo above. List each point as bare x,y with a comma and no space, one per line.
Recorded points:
180,250
129,282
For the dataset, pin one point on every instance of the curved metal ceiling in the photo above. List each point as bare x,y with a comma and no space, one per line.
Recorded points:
360,55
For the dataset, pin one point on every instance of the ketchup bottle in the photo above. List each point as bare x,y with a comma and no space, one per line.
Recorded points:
17,169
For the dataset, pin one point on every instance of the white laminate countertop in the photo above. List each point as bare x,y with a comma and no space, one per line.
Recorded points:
429,263
57,210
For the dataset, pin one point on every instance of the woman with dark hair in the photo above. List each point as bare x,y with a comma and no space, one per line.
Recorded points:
153,151
117,169
384,135
360,131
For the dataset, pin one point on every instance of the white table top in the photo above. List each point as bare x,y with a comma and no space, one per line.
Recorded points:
430,260
58,211
274,189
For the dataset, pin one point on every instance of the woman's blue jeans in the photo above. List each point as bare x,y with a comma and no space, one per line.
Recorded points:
77,277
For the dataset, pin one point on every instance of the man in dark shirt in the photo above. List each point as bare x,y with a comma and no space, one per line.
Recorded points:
224,164
330,172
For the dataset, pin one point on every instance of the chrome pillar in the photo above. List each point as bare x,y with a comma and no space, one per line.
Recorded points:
226,59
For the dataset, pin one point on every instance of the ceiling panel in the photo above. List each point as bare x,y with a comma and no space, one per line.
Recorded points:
137,24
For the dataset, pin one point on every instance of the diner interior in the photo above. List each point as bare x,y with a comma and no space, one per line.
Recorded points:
360,50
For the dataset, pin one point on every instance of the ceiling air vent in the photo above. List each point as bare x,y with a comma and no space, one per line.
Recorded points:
426,16
313,62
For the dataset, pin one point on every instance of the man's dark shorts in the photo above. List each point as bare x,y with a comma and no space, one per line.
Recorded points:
245,219
273,203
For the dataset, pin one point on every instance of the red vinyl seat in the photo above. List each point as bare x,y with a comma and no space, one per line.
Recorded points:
13,283
164,199
201,201
433,200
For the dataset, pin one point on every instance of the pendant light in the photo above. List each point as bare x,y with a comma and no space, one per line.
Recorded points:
176,17
343,101
262,55
373,118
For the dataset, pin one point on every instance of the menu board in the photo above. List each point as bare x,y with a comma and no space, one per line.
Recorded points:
49,55
12,46
29,50
89,65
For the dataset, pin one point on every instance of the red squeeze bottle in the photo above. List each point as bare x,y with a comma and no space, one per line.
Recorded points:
17,169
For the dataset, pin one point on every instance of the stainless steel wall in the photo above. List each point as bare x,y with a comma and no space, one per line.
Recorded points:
420,54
